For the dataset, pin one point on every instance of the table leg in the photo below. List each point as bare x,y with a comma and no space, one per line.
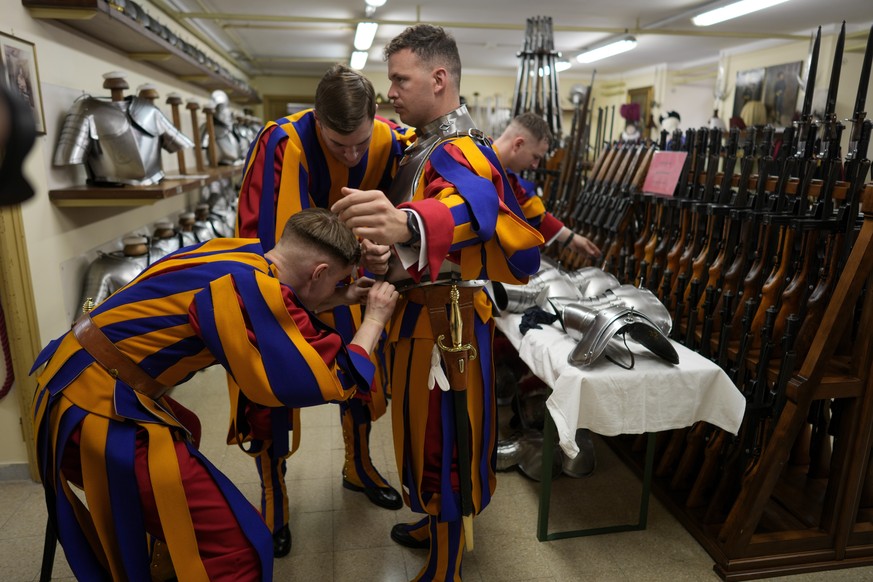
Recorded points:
543,535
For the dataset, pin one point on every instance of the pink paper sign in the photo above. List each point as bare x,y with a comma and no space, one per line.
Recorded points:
664,172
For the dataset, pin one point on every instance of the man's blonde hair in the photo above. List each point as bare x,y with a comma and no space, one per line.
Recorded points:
320,230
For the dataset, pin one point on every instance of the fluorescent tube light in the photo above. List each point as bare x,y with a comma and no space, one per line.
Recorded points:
561,65
358,60
733,11
608,50
375,3
364,35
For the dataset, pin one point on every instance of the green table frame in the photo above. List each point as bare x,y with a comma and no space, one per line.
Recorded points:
543,535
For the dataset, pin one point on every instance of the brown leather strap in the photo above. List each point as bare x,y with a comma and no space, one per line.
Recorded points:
95,342
436,299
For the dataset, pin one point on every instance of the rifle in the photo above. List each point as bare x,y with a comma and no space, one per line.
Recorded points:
757,393
705,267
697,232
522,78
786,367
738,370
684,203
693,297
726,325
748,225
618,223
709,469
706,333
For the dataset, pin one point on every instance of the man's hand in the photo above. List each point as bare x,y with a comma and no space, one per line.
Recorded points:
371,215
374,258
583,246
381,299
358,291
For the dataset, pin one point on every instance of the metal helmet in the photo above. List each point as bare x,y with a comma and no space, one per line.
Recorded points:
595,328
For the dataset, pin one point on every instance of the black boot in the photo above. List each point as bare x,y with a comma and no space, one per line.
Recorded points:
282,542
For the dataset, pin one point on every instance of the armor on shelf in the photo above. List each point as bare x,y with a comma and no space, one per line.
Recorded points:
230,144
110,272
118,140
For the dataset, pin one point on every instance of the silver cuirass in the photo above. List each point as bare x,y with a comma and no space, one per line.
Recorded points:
118,141
455,124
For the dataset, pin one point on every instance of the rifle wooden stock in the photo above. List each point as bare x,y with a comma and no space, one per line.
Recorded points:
795,293
771,291
691,457
672,452
709,469
819,296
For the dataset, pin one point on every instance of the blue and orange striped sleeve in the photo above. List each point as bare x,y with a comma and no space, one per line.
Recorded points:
471,214
263,338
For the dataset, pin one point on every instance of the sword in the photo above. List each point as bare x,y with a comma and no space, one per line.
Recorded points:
455,357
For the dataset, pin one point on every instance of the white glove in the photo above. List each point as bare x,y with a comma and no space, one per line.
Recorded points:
437,374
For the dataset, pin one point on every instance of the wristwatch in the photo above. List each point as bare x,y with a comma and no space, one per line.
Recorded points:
412,225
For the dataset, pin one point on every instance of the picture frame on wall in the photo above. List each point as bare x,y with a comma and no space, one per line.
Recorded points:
22,74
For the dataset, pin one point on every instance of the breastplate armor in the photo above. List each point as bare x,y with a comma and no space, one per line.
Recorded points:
110,272
229,150
118,141
457,123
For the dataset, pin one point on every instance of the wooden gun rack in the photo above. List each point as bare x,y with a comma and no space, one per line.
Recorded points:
783,521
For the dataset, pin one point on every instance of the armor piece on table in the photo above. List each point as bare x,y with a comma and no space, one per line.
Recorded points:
118,141
640,299
591,281
596,328
451,125
112,271
552,283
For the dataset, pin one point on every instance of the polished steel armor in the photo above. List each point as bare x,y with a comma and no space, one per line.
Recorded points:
454,124
118,141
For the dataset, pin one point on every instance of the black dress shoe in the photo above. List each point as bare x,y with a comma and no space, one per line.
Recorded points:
400,535
282,542
386,497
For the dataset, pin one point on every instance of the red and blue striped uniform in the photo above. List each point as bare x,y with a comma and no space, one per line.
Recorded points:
217,302
288,169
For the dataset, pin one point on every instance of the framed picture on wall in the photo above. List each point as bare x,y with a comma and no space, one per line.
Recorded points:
22,75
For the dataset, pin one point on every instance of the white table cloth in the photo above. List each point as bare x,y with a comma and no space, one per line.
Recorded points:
610,400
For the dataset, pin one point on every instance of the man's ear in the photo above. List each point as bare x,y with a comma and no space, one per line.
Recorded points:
440,78
320,270
518,143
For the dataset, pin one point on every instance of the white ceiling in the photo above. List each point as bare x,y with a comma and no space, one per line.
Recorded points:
282,37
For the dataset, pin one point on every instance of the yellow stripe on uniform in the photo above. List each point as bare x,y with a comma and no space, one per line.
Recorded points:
172,504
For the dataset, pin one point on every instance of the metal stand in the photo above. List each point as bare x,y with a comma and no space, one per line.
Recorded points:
543,535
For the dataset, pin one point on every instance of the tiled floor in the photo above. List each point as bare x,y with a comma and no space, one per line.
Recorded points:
340,536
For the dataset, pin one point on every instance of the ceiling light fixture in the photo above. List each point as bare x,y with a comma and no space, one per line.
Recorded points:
733,11
375,3
358,60
617,47
364,35
560,65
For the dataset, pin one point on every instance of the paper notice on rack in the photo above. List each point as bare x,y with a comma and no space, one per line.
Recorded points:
664,173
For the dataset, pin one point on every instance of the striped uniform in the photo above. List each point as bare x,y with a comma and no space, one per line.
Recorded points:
533,208
290,162
217,302
471,218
